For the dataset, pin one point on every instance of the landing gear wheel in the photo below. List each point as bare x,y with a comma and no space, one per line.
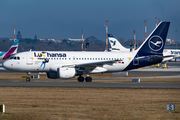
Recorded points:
88,79
80,79
28,79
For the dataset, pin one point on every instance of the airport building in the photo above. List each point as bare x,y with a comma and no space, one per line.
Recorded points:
170,41
77,40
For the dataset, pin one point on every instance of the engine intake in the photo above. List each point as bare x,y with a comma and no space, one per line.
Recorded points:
52,75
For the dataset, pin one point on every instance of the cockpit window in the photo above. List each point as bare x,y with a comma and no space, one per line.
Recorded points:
16,58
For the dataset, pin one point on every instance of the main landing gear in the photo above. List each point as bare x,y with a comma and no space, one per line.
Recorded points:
87,79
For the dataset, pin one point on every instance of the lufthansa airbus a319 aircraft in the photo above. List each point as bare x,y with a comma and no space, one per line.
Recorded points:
63,64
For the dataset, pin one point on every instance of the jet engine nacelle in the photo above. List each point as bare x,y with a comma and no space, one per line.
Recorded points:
65,72
52,75
62,72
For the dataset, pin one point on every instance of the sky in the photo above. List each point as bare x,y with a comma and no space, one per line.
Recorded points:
62,19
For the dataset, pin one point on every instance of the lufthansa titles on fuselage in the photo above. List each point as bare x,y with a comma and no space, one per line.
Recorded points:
50,54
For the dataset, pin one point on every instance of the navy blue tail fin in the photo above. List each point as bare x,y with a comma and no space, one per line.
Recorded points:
155,42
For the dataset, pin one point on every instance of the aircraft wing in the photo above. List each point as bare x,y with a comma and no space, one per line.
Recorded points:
95,64
92,67
92,64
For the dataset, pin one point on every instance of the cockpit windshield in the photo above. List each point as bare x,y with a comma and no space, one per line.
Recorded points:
15,57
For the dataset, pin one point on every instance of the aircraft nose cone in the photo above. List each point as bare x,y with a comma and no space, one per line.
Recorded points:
7,65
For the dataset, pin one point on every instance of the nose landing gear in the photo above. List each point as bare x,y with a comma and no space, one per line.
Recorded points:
28,77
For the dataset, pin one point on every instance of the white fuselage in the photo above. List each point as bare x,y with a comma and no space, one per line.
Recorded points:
31,62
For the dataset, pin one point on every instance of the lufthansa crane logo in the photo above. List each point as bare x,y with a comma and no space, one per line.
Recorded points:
155,43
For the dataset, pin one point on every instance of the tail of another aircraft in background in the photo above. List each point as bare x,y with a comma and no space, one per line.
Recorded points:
12,50
115,44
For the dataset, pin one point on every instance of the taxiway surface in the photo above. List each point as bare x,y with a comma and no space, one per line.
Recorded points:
144,85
